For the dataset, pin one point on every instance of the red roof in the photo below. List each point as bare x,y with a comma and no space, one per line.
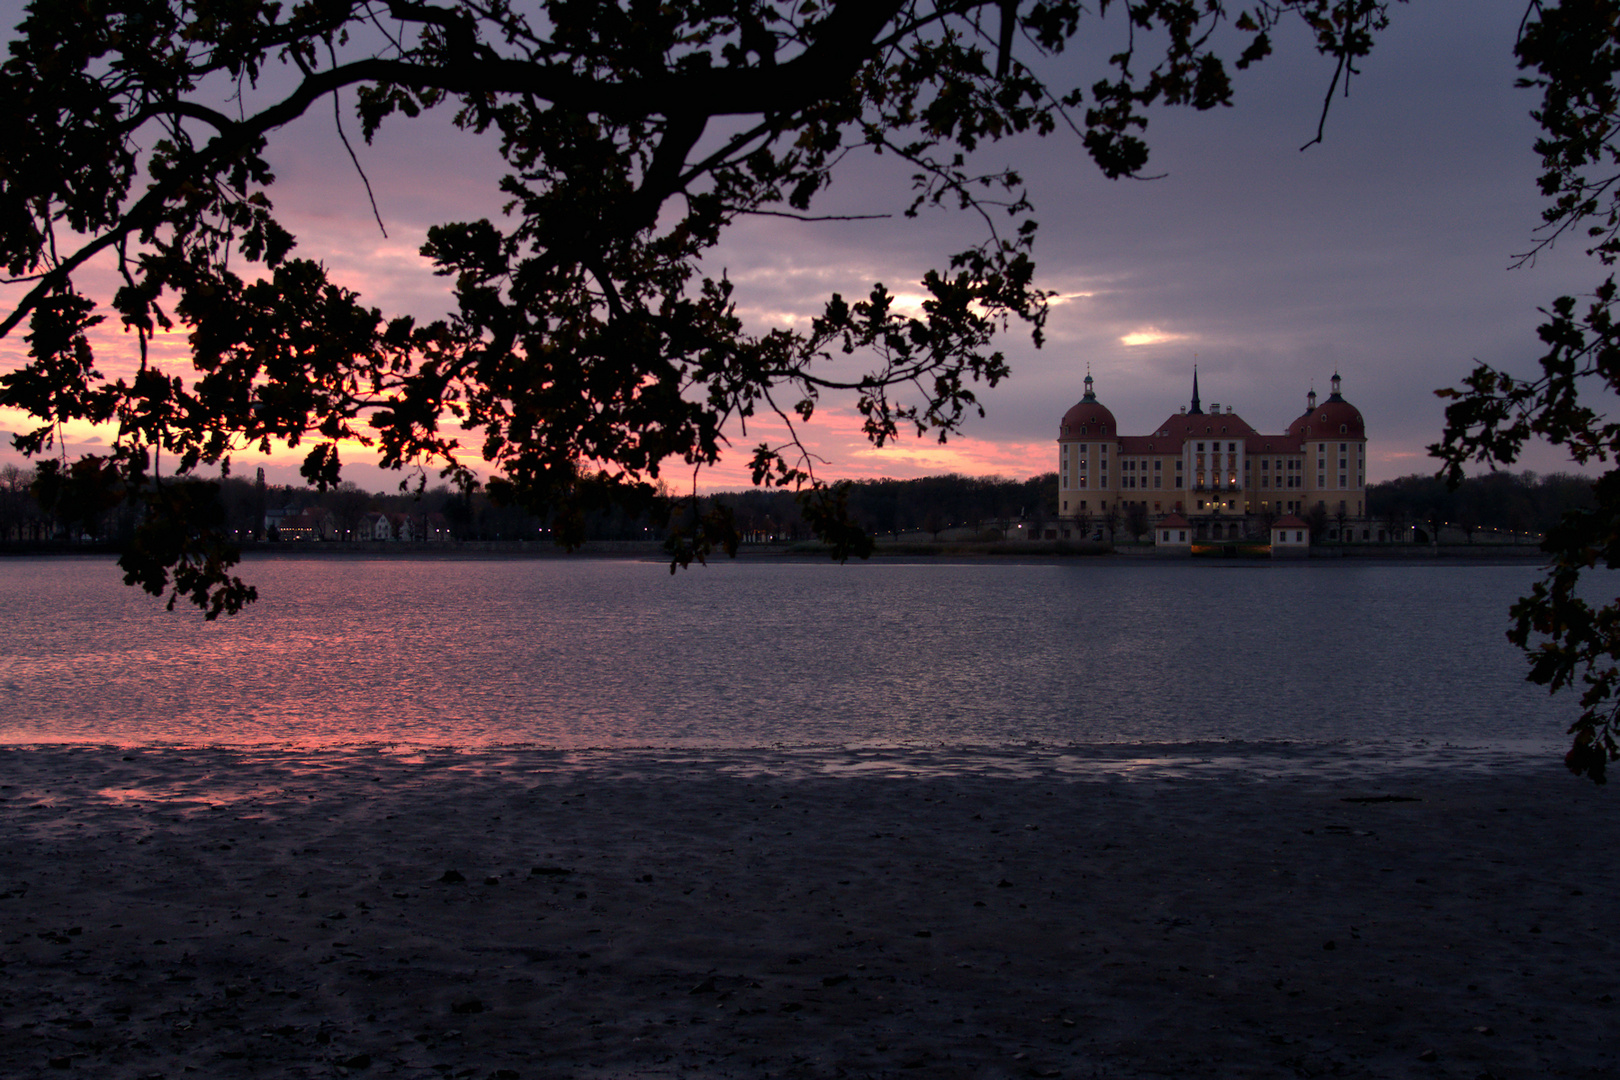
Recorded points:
1322,422
1090,414
1289,521
1174,521
1275,444
1326,420
1167,437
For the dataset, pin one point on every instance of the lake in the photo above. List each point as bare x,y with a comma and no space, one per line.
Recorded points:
599,653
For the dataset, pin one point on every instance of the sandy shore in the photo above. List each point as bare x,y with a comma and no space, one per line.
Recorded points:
544,914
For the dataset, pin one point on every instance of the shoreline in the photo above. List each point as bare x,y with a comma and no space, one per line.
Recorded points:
1231,760
800,913
1000,552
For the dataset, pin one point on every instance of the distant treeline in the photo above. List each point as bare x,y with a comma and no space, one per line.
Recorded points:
886,507
1504,501
929,504
245,504
1524,503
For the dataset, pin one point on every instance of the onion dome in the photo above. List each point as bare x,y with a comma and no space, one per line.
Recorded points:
1089,417
1333,417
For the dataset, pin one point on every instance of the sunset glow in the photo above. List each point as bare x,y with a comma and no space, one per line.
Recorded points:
1150,336
1378,252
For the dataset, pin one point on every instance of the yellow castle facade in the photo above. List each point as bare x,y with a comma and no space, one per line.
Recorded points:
1229,480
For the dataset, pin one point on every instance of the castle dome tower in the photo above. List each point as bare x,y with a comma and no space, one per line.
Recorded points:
1088,443
1334,418
1089,418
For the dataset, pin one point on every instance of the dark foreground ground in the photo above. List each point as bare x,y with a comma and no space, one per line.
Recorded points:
167,913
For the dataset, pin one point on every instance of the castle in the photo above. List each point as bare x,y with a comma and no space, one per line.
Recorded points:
1229,481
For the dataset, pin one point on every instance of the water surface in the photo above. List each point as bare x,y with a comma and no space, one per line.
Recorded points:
611,654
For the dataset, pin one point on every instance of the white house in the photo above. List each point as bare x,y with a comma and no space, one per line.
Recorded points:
1290,536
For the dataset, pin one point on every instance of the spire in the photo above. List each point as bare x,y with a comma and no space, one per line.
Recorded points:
1310,400
1090,394
1335,396
1197,409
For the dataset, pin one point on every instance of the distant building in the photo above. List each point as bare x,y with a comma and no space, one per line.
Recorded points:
375,526
311,523
1226,479
1173,534
1290,535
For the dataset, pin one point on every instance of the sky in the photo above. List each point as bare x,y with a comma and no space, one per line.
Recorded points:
1384,254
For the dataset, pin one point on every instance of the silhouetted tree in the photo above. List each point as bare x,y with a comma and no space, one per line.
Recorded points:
17,507
1317,519
1136,520
348,505
1110,519
1567,53
587,327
